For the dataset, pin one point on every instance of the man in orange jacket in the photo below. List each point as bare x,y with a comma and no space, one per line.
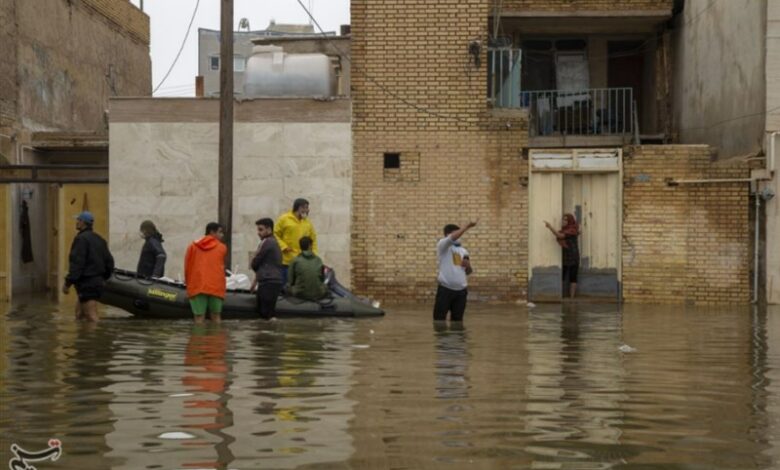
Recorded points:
204,273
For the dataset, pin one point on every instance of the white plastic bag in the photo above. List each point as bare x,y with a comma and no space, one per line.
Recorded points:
238,281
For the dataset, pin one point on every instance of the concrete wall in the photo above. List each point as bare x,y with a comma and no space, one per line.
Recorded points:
719,75
773,125
163,167
209,45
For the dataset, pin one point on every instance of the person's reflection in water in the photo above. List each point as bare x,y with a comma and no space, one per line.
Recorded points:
208,375
451,360
570,338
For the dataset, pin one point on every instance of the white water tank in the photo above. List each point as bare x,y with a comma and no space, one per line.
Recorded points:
272,72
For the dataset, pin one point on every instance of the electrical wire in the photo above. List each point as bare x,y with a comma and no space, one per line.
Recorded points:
181,48
456,118
737,118
375,82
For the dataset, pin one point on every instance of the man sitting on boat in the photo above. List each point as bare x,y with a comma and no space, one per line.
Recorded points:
306,274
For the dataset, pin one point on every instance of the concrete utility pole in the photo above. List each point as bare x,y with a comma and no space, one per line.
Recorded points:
226,126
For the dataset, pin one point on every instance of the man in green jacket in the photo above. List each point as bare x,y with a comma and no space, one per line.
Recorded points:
306,274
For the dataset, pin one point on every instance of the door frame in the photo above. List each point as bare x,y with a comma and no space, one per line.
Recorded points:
577,161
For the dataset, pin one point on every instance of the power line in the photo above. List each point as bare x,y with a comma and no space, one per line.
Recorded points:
737,118
458,119
183,42
376,83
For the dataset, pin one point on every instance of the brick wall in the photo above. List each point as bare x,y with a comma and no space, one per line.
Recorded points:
686,243
417,92
587,5
124,15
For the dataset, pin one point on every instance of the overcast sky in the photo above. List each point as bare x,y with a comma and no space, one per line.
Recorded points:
169,20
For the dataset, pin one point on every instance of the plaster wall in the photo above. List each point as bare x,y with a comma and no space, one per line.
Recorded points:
773,151
719,75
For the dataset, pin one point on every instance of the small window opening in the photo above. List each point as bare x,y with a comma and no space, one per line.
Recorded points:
392,160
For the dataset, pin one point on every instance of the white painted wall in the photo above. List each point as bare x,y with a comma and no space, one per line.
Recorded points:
167,172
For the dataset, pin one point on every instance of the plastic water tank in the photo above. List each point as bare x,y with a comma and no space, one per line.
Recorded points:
272,72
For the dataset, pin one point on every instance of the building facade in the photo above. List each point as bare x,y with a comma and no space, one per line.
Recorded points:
62,61
516,112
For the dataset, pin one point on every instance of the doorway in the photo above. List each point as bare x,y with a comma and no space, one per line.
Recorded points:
586,183
625,69
5,243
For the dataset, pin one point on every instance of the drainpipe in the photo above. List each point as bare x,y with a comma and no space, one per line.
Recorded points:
755,246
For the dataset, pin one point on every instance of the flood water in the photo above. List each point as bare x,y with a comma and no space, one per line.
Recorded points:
513,388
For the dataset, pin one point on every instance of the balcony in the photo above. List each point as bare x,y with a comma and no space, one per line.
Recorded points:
569,115
597,111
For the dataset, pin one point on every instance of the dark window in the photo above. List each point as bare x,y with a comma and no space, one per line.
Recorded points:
214,62
392,160
571,45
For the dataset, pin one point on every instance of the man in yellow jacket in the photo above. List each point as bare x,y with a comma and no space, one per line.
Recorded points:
289,228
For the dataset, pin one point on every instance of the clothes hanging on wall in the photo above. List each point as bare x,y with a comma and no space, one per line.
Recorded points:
24,226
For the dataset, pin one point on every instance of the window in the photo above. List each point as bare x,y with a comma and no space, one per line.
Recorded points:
239,63
392,160
214,62
550,64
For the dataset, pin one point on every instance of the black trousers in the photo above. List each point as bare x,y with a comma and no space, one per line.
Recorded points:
448,300
267,293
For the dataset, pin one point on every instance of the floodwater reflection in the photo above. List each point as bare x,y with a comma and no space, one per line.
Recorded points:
554,387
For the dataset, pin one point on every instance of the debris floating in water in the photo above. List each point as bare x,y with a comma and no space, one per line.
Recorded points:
531,305
371,331
626,349
176,435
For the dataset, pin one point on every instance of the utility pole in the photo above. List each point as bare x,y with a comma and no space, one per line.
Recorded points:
226,126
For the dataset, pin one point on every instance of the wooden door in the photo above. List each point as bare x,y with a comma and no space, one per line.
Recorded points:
544,253
5,242
71,200
594,199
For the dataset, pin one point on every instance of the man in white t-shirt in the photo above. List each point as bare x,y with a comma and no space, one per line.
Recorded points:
454,266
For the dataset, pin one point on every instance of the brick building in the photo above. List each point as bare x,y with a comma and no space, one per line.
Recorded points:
62,61
515,112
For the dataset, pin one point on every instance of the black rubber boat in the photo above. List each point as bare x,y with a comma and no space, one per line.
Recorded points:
157,298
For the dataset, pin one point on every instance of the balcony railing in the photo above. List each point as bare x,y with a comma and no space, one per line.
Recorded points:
504,77
595,111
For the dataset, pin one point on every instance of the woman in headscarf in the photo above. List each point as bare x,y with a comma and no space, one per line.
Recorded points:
152,260
567,238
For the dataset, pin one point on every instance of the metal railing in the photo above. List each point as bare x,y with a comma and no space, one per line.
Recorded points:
504,76
595,111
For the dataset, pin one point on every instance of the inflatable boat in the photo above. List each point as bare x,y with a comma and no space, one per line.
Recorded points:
160,298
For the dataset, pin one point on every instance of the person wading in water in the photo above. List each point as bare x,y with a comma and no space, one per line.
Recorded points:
567,238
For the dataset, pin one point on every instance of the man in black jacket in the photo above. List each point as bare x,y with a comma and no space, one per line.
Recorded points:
267,265
90,265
